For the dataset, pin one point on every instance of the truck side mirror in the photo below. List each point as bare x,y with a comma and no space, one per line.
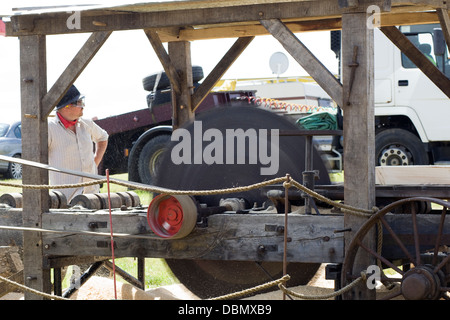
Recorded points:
438,42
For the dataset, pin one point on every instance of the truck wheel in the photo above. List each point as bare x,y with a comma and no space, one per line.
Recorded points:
398,147
164,82
150,156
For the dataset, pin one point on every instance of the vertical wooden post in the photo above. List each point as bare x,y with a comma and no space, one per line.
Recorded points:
33,75
180,55
359,129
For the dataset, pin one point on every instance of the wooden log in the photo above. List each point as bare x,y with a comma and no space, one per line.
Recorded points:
12,199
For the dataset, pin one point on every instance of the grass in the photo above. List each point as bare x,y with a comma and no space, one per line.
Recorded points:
157,273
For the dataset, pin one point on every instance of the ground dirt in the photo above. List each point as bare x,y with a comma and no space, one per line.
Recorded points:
102,288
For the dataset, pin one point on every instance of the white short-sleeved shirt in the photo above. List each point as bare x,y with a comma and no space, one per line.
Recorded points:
67,150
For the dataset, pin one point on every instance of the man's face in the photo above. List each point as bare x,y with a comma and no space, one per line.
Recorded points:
73,111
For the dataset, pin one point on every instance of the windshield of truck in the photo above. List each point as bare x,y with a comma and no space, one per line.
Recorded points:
429,39
424,42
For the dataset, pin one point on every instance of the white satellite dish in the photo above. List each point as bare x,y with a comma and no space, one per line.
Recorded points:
278,63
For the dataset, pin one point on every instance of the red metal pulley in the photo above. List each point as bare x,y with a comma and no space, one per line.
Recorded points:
172,216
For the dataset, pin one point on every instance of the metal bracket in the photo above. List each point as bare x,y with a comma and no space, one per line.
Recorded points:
352,65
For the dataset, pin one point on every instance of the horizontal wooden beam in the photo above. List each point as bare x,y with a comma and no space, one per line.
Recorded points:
104,20
301,25
306,59
227,237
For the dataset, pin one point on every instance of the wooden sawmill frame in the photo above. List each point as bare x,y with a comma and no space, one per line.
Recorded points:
179,23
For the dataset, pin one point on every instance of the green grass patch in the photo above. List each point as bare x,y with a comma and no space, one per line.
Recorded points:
157,273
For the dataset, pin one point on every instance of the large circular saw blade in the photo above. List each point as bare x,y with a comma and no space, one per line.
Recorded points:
207,278
227,171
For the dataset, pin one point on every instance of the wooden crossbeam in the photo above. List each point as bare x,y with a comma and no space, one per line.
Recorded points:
73,70
164,58
305,58
220,69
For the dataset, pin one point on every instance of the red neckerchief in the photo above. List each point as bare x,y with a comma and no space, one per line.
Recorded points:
65,122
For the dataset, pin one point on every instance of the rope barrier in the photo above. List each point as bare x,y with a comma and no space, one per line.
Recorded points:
290,182
343,290
253,290
25,288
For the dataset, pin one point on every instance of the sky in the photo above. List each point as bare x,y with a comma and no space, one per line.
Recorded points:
112,82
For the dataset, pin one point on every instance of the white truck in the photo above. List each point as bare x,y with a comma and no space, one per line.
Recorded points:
412,115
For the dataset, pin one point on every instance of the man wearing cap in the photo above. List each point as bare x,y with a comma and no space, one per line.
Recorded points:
71,141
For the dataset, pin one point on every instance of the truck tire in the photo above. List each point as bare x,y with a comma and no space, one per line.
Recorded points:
150,155
164,82
398,147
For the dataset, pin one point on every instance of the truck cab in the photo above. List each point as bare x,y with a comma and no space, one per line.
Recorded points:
411,113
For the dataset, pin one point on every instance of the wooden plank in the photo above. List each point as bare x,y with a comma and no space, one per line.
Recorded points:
219,70
102,20
359,132
34,147
164,59
413,175
73,70
227,237
299,25
247,30
305,58
92,21
180,55
418,58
